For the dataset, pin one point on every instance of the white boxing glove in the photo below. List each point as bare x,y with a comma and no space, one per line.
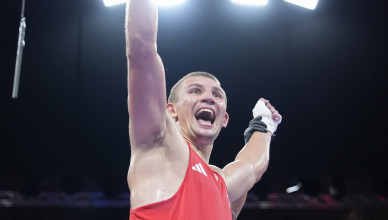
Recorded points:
261,110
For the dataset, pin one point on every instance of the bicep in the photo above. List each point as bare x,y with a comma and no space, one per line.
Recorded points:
239,179
238,205
250,164
146,97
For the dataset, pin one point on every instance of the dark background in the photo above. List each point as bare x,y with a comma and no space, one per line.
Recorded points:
325,71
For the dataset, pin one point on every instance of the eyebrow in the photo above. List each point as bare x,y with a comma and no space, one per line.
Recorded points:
195,85
201,86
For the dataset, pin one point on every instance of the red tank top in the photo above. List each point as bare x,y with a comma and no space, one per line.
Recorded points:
201,196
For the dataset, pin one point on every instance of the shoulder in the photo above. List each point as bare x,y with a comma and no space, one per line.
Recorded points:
218,170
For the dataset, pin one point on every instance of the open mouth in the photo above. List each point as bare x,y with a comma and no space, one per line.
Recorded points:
205,116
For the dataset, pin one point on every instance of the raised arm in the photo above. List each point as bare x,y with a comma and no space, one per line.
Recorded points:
252,161
146,77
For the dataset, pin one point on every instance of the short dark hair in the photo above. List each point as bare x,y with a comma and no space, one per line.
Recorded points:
173,92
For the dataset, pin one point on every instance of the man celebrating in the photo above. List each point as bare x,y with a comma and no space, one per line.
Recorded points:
169,176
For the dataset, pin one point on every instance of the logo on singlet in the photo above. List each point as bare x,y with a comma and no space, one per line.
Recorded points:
198,167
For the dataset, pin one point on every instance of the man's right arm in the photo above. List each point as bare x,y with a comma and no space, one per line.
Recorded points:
146,77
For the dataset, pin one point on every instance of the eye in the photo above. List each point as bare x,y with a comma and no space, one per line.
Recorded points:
195,91
217,95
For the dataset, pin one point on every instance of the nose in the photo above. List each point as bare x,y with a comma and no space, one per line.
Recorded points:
208,98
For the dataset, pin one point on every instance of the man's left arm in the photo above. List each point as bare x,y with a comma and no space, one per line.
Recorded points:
237,205
252,161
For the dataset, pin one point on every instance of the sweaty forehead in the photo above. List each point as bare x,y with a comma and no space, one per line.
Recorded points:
201,81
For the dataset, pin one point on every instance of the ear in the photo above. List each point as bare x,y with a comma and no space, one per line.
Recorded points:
226,120
171,109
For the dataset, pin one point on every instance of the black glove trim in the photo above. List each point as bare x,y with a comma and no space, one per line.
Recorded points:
255,125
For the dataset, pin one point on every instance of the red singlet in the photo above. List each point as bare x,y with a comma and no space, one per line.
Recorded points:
200,197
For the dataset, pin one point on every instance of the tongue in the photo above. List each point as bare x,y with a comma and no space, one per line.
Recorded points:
204,122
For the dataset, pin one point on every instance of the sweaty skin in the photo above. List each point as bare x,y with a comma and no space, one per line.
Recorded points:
158,132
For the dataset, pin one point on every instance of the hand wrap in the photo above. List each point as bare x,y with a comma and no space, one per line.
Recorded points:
261,110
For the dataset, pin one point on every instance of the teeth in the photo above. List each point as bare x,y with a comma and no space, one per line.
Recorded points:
205,115
205,110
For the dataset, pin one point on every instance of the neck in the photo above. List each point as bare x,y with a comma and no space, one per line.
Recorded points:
202,149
